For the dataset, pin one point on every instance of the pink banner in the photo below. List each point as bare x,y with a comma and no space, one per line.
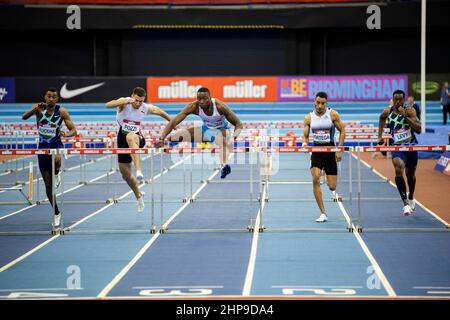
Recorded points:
341,88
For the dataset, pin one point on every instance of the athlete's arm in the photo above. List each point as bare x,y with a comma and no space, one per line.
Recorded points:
36,108
383,116
231,117
339,125
413,121
189,109
69,124
152,109
306,129
119,102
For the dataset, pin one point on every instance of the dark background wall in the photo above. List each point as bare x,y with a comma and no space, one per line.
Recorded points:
31,50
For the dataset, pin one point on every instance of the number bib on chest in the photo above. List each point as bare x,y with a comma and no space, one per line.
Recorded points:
130,126
402,136
47,130
321,136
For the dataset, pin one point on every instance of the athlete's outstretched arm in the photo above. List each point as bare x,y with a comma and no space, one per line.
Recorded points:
69,124
382,121
231,117
339,125
306,129
176,120
152,109
119,102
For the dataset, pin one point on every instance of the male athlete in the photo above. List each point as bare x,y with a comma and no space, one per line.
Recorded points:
49,119
130,113
322,122
214,114
403,125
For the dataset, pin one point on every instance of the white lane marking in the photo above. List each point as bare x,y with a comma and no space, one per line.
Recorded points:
369,255
144,249
393,184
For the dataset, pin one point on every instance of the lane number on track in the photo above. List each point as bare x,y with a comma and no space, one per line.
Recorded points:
176,292
35,295
318,291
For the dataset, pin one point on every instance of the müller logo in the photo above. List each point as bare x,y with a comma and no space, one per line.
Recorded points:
244,89
178,89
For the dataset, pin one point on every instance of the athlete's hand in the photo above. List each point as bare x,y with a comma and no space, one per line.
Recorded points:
402,111
62,134
160,144
42,105
338,156
129,100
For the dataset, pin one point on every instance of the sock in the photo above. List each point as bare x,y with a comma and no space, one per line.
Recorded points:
401,186
412,187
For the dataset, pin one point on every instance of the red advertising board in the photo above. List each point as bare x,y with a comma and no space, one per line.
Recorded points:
228,89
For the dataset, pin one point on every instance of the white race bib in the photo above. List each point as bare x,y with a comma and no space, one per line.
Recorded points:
47,131
321,136
402,136
131,126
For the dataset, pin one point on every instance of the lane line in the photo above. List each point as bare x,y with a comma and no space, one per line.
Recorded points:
252,260
393,184
369,255
58,194
106,290
27,254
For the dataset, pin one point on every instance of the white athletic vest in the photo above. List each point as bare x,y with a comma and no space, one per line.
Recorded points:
130,118
215,121
322,128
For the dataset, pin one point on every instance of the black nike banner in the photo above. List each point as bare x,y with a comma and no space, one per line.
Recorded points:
71,89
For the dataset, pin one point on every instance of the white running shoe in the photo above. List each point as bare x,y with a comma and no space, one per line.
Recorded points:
407,210
57,220
139,175
323,218
412,204
141,203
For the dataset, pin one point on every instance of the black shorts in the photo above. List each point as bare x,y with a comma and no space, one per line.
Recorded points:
122,143
45,160
326,161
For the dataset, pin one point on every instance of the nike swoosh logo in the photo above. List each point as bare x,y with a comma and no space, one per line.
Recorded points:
67,94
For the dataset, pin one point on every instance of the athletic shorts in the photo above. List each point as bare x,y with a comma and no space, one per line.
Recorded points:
409,158
45,161
122,143
210,134
326,161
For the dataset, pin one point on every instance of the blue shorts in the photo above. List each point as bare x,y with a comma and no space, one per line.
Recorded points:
210,134
409,158
45,161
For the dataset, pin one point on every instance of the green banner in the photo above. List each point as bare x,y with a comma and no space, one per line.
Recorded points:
433,85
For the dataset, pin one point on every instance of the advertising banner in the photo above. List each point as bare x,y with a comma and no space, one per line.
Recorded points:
229,89
341,88
7,90
443,164
77,89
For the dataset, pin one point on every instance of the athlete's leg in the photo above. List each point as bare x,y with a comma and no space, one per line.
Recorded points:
192,134
399,166
133,142
331,182
47,177
221,140
127,175
57,163
316,173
